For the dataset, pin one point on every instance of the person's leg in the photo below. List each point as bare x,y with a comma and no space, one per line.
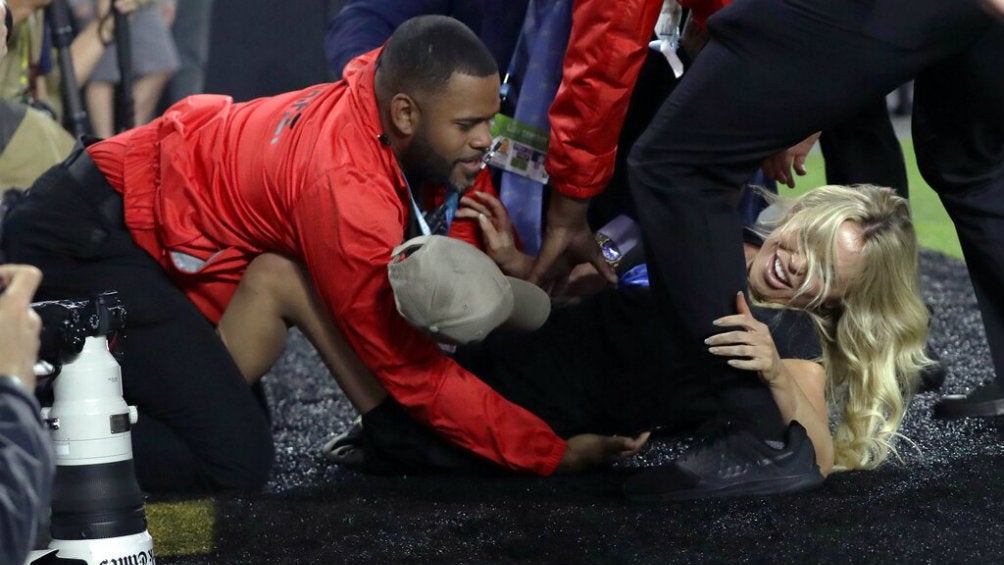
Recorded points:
737,105
276,293
958,129
864,150
741,101
199,425
146,93
100,97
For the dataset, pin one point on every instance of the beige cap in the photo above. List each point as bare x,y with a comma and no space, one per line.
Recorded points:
451,290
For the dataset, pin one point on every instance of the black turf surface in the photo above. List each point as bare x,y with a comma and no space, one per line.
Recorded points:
940,504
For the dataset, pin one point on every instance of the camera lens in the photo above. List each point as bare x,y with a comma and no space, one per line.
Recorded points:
96,501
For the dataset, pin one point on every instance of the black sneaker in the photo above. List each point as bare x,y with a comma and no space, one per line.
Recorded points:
732,463
986,401
387,441
346,449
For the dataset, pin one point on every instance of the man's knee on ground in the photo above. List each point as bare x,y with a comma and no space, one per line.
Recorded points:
250,470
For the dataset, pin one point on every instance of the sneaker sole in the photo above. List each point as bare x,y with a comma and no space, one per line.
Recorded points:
953,406
781,485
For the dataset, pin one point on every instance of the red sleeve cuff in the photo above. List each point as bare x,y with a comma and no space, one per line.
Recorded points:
551,463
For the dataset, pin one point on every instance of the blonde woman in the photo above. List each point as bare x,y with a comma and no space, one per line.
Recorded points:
872,333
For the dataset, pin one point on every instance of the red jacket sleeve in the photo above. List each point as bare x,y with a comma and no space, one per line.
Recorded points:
347,226
605,53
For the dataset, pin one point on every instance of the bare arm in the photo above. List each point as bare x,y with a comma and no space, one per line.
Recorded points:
801,397
796,385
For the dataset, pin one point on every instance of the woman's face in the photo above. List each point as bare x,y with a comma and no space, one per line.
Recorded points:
780,268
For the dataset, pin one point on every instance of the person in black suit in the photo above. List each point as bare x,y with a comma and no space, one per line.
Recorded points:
774,72
850,54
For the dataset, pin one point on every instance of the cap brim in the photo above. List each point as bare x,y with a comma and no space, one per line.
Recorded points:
531,306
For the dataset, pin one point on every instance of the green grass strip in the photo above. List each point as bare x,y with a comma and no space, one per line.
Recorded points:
181,528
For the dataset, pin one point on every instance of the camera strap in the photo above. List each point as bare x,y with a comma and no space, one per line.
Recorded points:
93,185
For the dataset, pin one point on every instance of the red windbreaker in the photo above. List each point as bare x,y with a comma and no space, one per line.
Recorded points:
606,49
304,174
605,53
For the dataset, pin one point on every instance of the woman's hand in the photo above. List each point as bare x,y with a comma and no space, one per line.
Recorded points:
496,228
751,346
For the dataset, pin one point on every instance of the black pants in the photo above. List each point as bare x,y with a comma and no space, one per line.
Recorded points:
199,425
865,150
776,71
611,364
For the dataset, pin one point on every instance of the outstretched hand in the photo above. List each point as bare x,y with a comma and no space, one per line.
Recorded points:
586,451
780,166
568,241
750,347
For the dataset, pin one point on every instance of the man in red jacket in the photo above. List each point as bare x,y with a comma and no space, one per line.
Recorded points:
172,213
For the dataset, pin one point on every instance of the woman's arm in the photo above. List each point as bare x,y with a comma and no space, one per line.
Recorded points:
796,385
801,396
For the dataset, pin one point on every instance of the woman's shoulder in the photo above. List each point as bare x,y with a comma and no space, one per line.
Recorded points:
793,331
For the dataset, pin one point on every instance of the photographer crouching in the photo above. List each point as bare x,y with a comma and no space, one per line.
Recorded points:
26,459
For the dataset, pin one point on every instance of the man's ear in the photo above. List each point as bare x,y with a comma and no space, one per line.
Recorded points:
404,114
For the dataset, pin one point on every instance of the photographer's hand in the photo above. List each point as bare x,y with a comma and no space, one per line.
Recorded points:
19,324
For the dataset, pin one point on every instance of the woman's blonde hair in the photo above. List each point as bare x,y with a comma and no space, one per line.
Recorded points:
873,337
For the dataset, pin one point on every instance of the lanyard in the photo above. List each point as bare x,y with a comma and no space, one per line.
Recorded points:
517,64
422,224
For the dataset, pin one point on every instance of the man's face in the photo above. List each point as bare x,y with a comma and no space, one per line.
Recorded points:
453,131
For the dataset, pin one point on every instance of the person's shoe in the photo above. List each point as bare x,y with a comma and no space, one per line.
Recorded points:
734,463
346,449
985,401
932,376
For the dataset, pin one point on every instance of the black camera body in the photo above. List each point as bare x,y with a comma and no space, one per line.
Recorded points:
66,324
